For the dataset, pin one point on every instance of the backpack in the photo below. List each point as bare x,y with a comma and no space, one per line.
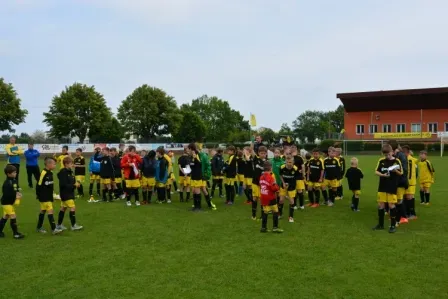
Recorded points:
206,166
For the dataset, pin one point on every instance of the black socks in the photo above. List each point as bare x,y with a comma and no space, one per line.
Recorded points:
381,217
422,196
13,223
51,220
254,208
2,224
61,217
427,197
72,218
40,220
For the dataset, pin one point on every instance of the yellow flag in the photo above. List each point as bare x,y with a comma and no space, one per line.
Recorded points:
253,120
342,131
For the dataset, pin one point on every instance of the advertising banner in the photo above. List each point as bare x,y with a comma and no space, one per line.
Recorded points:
413,135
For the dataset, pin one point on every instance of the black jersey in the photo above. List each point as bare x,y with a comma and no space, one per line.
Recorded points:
148,167
107,170
80,161
196,167
230,167
240,166
249,167
289,176
354,176
183,161
298,162
116,163
315,167
388,184
45,186
258,169
9,191
332,169
342,164
66,184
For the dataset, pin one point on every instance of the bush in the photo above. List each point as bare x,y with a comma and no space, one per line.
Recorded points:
325,144
309,146
371,147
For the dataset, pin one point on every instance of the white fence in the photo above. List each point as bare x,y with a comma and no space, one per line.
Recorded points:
89,148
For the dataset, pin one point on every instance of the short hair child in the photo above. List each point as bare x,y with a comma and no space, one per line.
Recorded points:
354,176
426,175
268,198
10,197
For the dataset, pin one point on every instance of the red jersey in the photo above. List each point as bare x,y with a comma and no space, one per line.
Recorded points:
131,172
268,187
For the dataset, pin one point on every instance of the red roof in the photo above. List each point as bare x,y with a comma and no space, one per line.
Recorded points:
394,100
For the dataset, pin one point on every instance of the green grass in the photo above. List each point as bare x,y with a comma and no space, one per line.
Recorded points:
165,251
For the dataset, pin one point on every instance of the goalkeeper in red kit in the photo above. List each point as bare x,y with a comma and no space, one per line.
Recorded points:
268,198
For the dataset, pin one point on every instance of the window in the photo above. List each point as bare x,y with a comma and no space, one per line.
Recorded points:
387,128
401,128
416,128
446,127
359,129
432,127
373,129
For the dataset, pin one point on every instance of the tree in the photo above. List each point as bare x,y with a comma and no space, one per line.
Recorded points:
285,130
310,125
79,111
191,129
219,118
267,134
10,113
23,138
336,119
111,132
238,137
149,112
39,136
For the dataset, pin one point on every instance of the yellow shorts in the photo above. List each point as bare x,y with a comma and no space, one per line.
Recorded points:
315,185
148,182
248,181
400,193
133,184
290,194
256,190
70,203
94,177
425,185
229,181
8,210
218,177
46,206
410,190
198,183
356,192
184,180
386,197
332,183
106,181
118,180
240,178
80,178
272,208
161,185
300,185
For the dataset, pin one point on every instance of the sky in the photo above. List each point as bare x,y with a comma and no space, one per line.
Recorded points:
274,59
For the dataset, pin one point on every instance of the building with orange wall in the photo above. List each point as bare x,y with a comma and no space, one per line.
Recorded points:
395,111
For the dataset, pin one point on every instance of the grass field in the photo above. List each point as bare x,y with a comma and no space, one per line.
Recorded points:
165,251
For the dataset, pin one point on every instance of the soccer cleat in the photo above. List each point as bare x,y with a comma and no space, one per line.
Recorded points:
330,204
213,206
254,218
302,207
144,202
427,203
378,227
91,199
76,227
310,205
412,217
337,198
137,203
291,220
168,201
403,220
128,203
277,230
422,202
296,207
2,235
61,227
18,236
263,230
316,205
122,196
392,229
42,230
230,203
56,231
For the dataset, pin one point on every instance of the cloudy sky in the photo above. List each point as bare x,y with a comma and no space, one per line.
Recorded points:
272,58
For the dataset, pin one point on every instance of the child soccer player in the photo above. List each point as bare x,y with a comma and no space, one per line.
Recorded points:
60,158
172,176
107,174
315,178
288,176
149,165
425,177
44,193
300,184
341,159
332,174
307,169
240,171
409,193
230,175
10,197
80,171
67,186
162,175
117,182
130,163
167,184
196,176
217,172
94,175
184,178
268,198
354,176
248,174
258,166
389,170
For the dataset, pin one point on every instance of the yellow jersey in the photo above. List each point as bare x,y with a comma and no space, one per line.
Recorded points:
412,170
60,159
425,172
170,163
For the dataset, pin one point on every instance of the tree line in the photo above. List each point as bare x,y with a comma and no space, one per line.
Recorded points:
152,115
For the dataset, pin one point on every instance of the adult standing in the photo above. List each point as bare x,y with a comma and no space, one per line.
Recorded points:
257,144
13,152
32,164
